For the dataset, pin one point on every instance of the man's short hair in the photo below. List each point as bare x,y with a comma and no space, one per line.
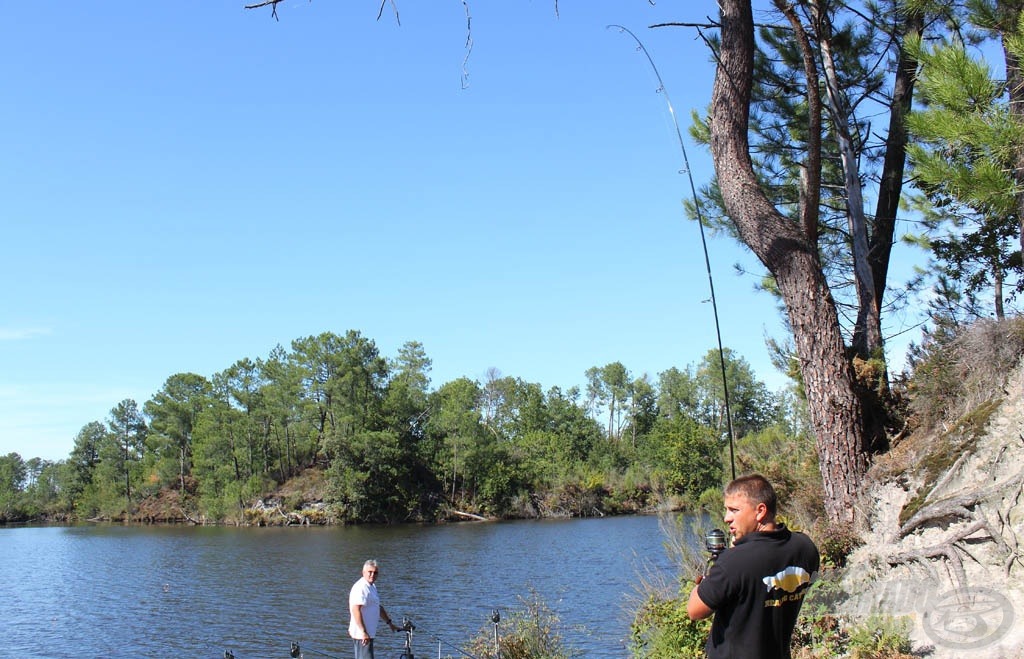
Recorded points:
370,563
757,489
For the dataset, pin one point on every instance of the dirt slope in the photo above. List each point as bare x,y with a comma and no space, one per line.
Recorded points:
944,522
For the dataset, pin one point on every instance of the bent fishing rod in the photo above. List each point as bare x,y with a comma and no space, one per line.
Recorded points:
700,223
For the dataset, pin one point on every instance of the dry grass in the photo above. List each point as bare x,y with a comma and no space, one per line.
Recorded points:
961,371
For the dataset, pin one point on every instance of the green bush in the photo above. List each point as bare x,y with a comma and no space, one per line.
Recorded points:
710,500
880,637
529,633
836,543
662,630
819,632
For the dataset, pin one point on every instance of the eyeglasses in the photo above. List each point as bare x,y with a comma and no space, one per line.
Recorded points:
371,572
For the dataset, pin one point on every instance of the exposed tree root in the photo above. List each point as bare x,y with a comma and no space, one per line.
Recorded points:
956,547
958,507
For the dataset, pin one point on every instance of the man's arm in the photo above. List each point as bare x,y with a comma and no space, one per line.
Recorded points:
696,609
386,618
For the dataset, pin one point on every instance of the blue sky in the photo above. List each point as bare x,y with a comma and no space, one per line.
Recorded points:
185,184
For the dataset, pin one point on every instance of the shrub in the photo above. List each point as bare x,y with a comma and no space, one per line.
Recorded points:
529,633
957,368
836,543
881,637
710,501
819,632
662,630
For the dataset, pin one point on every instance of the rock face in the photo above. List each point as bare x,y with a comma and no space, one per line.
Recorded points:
944,523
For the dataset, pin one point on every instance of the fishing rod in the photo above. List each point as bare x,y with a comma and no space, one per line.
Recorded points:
700,223
296,652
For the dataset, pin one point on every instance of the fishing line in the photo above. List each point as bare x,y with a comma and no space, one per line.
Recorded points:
700,223
444,642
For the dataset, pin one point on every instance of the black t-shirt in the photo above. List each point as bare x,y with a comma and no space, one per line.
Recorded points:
756,589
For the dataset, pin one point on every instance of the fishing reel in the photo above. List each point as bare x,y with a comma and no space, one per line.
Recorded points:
408,628
714,543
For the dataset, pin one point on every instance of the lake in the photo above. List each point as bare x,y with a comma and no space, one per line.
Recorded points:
177,591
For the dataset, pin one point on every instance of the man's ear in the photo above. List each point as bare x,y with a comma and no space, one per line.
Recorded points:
760,512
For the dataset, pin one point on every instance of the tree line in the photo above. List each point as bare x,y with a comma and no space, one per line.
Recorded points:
834,127
383,446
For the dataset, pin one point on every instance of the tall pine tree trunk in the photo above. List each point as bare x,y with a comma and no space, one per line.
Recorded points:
788,253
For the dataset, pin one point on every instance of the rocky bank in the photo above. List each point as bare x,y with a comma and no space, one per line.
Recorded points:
944,521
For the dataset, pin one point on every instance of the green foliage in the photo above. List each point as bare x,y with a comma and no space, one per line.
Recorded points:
368,477
661,628
699,394
790,463
819,632
12,482
530,632
710,500
880,637
836,543
963,157
173,412
608,388
684,457
501,478
388,448
751,407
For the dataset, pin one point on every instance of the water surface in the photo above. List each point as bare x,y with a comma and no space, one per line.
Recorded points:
112,591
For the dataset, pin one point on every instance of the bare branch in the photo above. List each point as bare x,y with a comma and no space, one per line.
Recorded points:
271,3
701,26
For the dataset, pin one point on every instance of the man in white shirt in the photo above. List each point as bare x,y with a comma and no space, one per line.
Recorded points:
365,610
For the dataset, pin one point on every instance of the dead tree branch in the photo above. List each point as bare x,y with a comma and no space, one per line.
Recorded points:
271,3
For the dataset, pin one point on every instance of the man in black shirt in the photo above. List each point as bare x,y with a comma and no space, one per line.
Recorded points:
754,589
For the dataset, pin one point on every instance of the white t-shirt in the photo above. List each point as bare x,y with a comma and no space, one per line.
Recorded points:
364,593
